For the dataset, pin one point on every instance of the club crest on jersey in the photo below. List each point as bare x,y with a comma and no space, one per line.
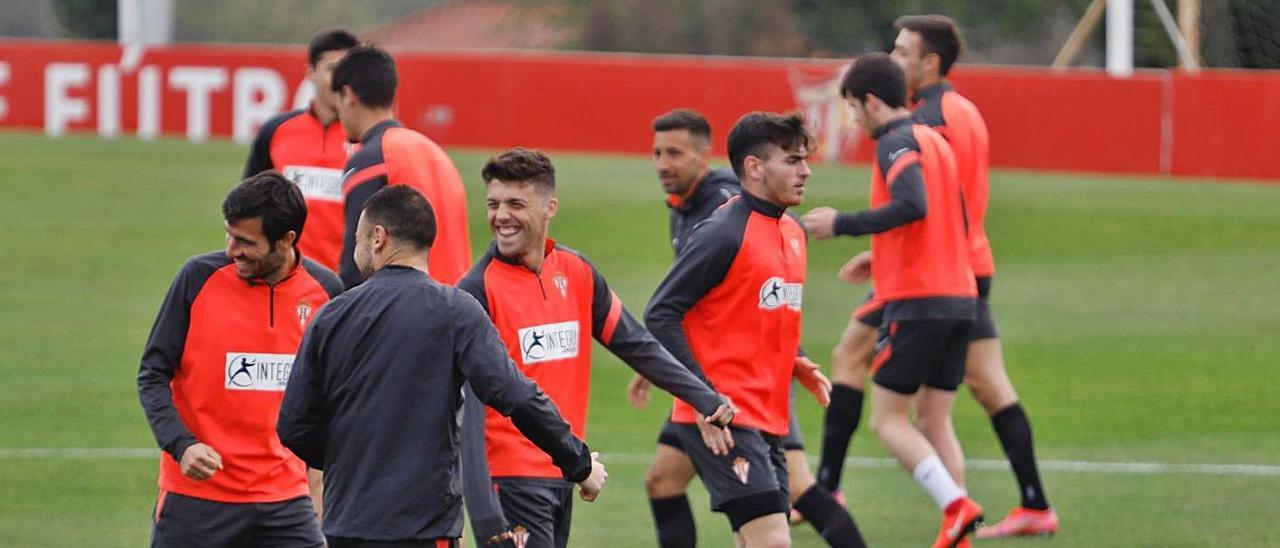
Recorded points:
519,536
304,312
268,372
562,283
742,467
553,341
776,293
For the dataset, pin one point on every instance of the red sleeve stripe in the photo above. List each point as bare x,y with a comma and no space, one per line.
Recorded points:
363,175
611,321
908,159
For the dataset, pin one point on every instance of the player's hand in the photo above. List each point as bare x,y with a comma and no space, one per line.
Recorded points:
200,462
857,270
638,392
820,222
499,539
719,439
723,415
590,488
315,482
810,376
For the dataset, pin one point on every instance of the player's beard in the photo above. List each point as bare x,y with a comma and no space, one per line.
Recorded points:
260,269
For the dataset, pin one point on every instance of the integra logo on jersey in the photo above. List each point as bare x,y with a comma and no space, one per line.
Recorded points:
268,372
553,341
776,293
316,182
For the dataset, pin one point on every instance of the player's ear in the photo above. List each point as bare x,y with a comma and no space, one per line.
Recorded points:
379,237
704,149
288,239
871,101
553,205
750,165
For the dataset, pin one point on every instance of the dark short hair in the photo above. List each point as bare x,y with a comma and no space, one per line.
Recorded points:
334,39
875,74
682,118
371,73
405,213
272,197
755,131
522,166
938,34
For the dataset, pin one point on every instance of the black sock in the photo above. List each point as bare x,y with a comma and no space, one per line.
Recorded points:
673,518
841,421
1014,431
831,520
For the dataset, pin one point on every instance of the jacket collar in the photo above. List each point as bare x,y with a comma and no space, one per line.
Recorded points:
931,93
378,129
890,126
762,206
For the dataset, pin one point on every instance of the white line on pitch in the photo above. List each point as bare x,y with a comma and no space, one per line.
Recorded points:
1157,468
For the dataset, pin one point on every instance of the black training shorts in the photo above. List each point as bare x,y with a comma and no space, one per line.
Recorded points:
182,521
921,351
748,483
539,510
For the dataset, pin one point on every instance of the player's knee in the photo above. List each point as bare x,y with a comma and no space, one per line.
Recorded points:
933,425
878,422
659,483
993,395
774,537
851,373
797,484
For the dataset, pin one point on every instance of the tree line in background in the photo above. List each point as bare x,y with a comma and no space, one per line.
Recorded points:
1235,33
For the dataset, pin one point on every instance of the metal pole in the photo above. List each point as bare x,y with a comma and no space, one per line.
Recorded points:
1120,38
1185,59
144,22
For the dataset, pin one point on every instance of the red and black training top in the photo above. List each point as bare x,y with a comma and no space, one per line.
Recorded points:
214,371
919,246
547,320
730,307
311,154
391,154
959,122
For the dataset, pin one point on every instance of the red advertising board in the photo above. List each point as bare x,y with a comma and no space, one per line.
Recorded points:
1216,123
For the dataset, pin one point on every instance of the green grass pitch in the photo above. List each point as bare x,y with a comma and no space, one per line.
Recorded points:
1141,321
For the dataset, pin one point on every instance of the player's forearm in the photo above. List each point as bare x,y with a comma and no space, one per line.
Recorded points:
881,219
171,434
483,508
539,421
644,354
307,443
301,430
907,203
667,326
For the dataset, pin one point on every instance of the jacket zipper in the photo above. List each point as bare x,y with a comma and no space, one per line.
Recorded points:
271,306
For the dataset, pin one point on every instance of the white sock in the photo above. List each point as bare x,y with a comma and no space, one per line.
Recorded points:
934,478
